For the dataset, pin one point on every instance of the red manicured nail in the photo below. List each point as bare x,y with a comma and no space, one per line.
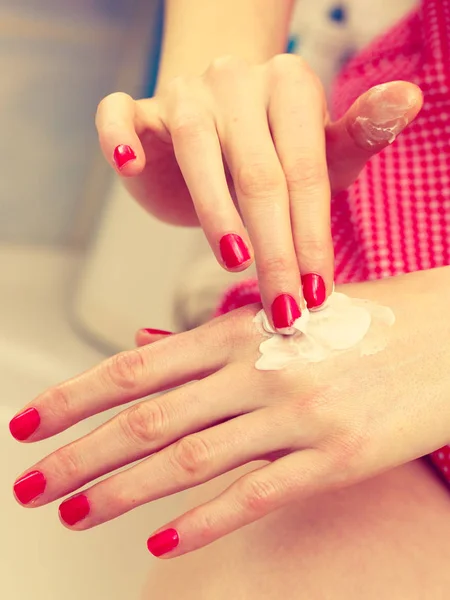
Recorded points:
74,509
285,311
29,487
233,250
123,154
313,290
24,424
163,542
156,331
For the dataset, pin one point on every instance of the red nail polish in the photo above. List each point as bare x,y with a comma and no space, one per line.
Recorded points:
123,154
313,290
74,509
156,331
285,311
29,487
163,542
24,424
233,250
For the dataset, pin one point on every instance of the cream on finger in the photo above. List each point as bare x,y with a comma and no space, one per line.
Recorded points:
343,323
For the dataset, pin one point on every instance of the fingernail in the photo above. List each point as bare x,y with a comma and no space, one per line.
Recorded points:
163,542
156,331
123,154
74,509
24,424
314,290
382,116
29,487
233,250
285,311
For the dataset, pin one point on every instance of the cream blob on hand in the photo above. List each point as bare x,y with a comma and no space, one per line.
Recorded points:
341,324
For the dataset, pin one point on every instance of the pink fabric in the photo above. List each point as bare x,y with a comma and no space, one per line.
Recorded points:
396,217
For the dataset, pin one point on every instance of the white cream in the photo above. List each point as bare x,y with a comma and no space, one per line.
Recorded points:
386,118
341,324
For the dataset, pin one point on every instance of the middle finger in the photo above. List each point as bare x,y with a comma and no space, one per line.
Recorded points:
190,461
296,114
135,433
263,198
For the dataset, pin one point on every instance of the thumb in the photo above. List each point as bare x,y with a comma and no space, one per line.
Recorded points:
370,124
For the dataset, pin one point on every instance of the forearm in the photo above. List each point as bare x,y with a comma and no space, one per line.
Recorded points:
198,31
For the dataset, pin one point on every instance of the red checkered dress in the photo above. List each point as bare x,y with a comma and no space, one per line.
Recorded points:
396,217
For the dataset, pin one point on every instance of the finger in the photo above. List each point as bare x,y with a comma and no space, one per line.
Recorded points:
263,199
199,156
121,146
296,115
370,124
122,378
149,336
189,462
140,431
250,498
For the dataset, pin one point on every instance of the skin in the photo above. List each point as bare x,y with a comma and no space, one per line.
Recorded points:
387,537
317,427
249,149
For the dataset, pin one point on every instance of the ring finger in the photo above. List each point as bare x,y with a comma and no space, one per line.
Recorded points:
134,434
188,462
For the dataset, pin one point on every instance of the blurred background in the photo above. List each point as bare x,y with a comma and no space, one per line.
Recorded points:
67,267
81,265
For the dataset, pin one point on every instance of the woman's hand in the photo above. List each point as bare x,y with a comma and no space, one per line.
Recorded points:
319,425
248,152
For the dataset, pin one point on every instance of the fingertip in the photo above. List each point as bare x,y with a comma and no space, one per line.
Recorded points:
235,255
128,160
239,268
314,290
382,113
284,311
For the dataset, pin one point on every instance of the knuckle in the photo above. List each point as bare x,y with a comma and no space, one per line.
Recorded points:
205,526
259,179
296,68
226,64
123,498
143,423
348,450
66,464
192,457
276,264
258,496
189,122
314,250
177,88
57,400
305,173
283,63
126,369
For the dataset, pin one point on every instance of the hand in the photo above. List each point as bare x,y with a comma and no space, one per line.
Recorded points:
320,425
249,148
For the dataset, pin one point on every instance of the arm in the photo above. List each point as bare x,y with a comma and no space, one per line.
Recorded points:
198,31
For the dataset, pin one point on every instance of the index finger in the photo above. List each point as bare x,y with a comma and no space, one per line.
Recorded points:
264,203
123,378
